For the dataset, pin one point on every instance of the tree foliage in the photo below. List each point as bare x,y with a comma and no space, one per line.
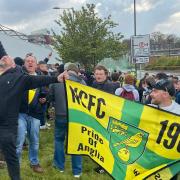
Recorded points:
86,38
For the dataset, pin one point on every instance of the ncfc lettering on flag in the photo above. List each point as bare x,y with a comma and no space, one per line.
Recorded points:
129,140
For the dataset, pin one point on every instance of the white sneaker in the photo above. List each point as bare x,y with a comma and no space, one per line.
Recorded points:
43,127
77,176
48,125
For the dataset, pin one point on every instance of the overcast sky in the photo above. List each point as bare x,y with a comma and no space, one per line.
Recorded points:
152,15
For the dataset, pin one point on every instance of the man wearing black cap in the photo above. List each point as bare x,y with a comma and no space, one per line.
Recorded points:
12,86
162,94
159,76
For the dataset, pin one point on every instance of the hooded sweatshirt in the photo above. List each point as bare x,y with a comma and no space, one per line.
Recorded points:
128,88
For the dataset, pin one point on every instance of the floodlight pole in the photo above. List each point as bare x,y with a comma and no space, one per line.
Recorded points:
134,17
135,32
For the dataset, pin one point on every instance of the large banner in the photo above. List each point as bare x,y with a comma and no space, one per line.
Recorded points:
129,140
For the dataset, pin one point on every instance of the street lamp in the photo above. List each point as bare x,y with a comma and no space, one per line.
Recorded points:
135,17
135,32
56,7
70,8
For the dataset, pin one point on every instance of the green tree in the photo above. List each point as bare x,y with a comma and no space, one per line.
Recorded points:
86,38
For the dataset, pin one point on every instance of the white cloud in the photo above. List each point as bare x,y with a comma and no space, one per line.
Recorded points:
143,5
98,5
176,5
39,19
39,14
77,1
43,20
171,25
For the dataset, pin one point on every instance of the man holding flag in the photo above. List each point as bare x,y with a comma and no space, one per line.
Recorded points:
162,95
13,84
129,140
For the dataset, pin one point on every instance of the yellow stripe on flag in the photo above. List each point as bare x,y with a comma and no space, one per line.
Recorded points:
134,170
127,139
113,104
162,174
86,145
159,141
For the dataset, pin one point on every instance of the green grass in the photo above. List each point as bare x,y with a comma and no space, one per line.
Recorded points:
46,151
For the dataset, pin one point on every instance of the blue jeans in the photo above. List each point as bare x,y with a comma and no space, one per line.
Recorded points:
31,126
59,155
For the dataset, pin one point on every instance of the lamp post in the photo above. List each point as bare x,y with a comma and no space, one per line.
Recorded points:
134,17
56,7
135,32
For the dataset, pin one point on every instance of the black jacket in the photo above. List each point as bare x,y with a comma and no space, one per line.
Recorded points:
35,108
106,86
12,86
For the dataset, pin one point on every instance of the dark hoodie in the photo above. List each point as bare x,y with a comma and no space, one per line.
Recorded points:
106,86
58,96
13,84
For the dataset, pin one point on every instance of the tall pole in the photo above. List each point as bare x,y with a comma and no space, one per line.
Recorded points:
134,17
135,33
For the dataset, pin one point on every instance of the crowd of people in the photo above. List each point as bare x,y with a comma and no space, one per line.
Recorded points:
30,88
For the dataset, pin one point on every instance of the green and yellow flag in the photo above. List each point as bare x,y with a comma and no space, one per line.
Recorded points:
129,140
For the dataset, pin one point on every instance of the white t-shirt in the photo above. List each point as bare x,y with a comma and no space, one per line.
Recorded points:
174,107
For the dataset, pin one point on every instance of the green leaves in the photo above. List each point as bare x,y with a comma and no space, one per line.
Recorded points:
86,38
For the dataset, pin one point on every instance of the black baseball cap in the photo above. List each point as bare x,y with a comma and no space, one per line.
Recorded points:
165,85
161,75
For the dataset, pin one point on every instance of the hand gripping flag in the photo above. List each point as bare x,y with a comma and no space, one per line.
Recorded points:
129,140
